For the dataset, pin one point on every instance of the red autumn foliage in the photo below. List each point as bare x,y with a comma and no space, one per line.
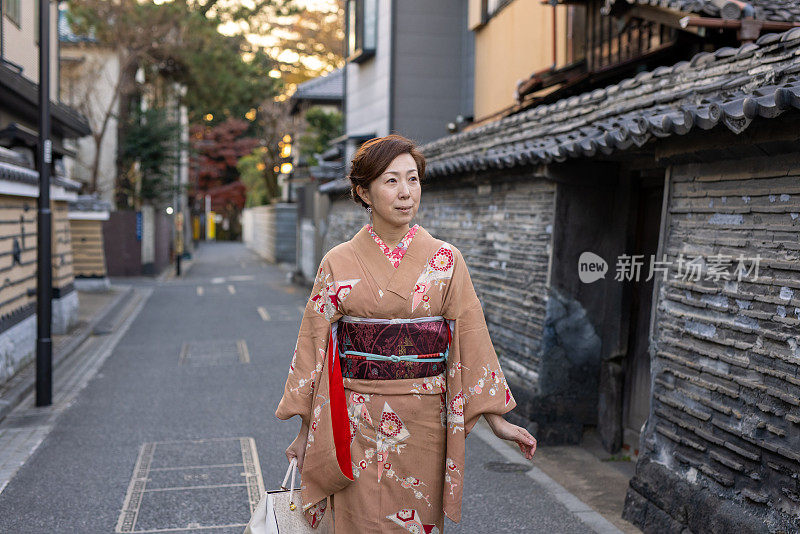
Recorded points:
215,152
225,197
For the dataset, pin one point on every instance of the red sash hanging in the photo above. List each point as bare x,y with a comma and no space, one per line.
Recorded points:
339,418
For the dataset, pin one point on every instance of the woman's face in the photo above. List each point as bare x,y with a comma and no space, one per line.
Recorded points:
394,195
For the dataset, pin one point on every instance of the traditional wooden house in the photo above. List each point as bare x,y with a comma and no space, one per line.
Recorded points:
605,41
689,168
19,188
632,232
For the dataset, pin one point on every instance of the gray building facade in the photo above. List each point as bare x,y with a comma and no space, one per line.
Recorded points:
408,71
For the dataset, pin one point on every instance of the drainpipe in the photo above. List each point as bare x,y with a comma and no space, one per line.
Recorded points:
392,61
554,3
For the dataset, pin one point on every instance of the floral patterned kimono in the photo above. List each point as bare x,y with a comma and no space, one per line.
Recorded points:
387,438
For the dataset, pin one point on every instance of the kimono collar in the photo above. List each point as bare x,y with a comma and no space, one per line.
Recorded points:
402,279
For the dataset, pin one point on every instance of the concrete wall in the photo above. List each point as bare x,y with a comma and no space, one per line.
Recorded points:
271,232
722,442
312,215
164,245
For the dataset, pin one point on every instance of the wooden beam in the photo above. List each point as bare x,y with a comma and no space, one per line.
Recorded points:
660,15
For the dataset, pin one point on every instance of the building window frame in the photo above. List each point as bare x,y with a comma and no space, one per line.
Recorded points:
361,30
490,8
12,10
36,22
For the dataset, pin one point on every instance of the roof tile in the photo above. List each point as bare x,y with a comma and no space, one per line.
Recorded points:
732,87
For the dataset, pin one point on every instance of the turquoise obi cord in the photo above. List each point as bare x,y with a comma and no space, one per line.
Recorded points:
395,358
416,358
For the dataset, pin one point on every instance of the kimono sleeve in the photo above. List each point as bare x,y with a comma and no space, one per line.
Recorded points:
309,352
483,385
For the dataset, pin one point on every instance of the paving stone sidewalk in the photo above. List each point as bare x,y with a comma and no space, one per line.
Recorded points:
92,308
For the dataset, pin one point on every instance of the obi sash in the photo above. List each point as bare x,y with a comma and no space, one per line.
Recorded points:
380,349
383,349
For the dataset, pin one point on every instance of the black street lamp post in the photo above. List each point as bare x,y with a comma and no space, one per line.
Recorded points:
44,277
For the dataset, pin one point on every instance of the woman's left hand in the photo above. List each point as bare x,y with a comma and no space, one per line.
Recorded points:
511,432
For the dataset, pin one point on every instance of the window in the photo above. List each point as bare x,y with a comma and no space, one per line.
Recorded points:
362,24
11,9
490,8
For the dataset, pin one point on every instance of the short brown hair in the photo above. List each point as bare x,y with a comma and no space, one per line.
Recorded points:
375,155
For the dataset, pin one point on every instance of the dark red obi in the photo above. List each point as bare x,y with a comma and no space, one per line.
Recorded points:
427,337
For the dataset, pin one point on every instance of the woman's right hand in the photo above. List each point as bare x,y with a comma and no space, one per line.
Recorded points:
298,447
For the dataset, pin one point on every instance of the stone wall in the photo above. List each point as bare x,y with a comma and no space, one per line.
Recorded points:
721,449
271,231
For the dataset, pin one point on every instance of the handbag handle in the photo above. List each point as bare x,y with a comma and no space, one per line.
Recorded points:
291,470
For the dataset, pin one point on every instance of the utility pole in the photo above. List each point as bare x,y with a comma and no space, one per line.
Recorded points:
44,275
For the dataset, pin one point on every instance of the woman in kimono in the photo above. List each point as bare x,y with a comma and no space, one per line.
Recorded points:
393,365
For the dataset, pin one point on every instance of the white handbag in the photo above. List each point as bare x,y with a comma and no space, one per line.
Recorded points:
278,513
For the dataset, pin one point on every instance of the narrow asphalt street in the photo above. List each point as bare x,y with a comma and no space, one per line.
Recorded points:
169,426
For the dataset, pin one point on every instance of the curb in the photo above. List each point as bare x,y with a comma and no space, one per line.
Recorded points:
169,271
18,392
591,518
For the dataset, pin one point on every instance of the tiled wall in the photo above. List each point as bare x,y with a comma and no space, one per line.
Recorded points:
726,407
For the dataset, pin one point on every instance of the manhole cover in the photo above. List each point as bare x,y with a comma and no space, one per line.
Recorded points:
217,352
507,467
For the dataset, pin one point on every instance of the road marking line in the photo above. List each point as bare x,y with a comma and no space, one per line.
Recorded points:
201,440
252,469
182,529
133,497
244,354
231,289
262,311
199,291
184,353
578,508
218,280
195,487
193,467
